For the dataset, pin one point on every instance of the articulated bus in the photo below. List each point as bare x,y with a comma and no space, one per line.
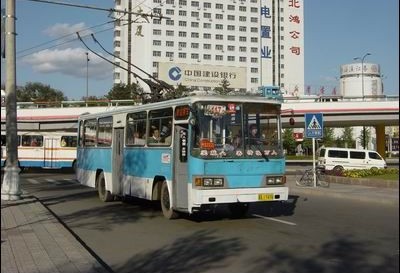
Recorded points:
191,153
51,150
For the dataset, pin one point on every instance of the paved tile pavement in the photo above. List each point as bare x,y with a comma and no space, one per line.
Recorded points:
33,240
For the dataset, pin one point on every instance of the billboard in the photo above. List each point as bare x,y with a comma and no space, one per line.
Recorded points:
202,75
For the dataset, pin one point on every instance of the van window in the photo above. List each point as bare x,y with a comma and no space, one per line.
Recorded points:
374,155
322,153
338,154
357,155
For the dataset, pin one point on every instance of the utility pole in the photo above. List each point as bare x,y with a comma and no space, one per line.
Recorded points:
87,75
10,189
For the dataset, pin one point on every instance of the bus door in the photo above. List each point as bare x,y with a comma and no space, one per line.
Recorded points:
180,170
49,146
117,159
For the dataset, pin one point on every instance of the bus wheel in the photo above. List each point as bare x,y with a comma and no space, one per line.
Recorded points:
168,212
238,210
104,194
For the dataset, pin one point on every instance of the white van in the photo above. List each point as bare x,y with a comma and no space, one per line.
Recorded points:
339,159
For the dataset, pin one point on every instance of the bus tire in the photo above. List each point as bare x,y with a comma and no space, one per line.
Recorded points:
104,194
167,210
238,210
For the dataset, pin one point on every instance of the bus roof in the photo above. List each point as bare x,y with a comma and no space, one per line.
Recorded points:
183,101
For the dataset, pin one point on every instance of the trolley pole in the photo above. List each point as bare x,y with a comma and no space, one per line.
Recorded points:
10,189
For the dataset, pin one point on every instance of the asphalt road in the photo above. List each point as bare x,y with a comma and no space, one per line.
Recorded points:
309,234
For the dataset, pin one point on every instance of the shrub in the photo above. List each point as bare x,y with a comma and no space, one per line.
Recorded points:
369,172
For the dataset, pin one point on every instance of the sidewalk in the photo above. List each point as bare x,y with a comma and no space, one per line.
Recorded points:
33,240
387,196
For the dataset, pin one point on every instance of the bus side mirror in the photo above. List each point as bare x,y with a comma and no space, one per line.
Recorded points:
291,121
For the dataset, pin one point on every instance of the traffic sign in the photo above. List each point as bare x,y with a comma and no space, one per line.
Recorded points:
314,125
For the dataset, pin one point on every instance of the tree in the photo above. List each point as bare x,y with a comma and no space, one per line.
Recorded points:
125,92
223,89
179,92
36,91
329,137
289,142
347,138
365,136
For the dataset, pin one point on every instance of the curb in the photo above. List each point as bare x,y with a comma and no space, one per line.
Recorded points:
342,195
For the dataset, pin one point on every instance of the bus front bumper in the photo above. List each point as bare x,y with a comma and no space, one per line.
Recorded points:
221,196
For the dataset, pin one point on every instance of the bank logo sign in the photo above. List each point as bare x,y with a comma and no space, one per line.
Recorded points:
202,75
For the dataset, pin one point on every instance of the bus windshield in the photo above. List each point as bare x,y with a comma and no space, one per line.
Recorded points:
236,130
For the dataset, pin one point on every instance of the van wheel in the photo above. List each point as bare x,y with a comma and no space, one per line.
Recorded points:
104,194
167,210
338,170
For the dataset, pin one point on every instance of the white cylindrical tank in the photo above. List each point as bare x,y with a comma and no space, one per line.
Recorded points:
352,79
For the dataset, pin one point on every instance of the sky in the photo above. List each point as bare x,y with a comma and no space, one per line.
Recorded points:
335,33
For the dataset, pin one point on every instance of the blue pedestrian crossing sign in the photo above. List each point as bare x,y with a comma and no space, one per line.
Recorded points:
314,125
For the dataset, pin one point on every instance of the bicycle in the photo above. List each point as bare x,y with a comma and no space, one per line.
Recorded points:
306,178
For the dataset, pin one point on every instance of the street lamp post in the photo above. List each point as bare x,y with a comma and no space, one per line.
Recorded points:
87,75
362,89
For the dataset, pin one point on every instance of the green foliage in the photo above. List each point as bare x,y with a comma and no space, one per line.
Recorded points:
179,92
39,92
289,142
223,89
365,136
347,138
125,92
369,172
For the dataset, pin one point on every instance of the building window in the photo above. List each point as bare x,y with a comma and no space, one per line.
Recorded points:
207,46
231,38
219,36
195,45
219,6
231,17
195,4
182,34
182,44
182,13
219,26
219,57
169,43
156,42
242,8
206,25
207,36
194,35
219,16
219,47
182,55
182,23
242,49
170,33
231,58
254,70
206,56
242,39
194,56
194,24
242,59
156,31
242,28
231,48
254,60
156,53
254,19
254,80
254,39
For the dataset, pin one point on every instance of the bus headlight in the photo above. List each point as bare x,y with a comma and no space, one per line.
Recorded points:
210,182
275,180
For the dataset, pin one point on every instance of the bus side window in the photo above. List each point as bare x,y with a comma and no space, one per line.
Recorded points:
3,140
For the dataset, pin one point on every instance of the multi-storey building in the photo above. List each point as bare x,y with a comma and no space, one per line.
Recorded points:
251,43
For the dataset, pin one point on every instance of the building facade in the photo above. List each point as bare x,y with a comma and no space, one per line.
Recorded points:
251,43
358,81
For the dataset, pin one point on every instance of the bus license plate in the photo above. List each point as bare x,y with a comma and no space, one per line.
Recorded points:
265,196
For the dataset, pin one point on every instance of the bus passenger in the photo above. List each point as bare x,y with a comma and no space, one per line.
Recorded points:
137,140
155,138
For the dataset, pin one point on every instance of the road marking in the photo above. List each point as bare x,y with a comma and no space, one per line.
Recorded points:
50,180
33,181
277,220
